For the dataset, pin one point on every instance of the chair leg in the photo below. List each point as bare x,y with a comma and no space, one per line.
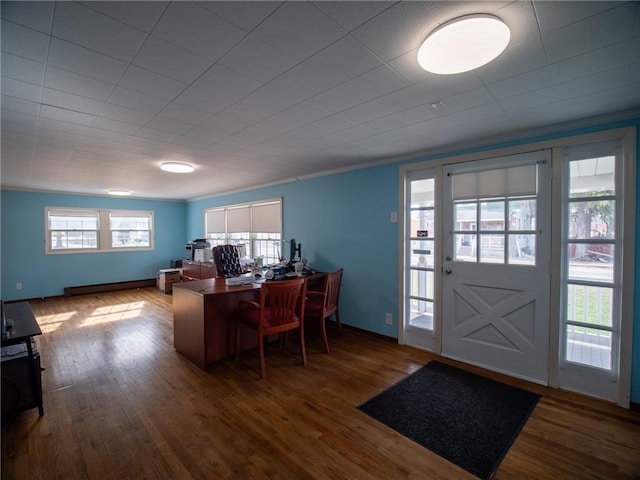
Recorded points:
338,322
263,367
303,350
237,339
323,327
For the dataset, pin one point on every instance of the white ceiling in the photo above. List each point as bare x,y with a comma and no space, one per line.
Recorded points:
96,95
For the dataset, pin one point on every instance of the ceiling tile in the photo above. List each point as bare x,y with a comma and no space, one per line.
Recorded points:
71,102
35,15
593,62
516,59
22,69
519,84
115,137
150,83
104,123
234,118
197,99
311,29
197,30
176,112
23,90
352,14
257,60
610,27
246,14
555,15
364,112
341,61
170,60
385,124
368,86
78,84
526,100
168,125
225,82
140,14
153,134
590,84
126,115
18,118
86,62
20,105
397,30
64,115
23,41
86,27
136,100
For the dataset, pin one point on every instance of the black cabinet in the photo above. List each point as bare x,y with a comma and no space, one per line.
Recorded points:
20,361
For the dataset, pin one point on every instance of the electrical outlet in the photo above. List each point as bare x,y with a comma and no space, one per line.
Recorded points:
18,286
388,318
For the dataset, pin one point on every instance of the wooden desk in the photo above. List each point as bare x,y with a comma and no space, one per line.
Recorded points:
203,319
25,327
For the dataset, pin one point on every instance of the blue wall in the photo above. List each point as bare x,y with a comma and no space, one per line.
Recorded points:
23,249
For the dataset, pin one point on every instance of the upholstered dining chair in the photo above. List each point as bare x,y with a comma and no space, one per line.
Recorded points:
281,309
320,305
227,261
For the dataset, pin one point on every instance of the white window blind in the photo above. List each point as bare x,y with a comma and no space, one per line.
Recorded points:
215,221
238,220
512,181
266,218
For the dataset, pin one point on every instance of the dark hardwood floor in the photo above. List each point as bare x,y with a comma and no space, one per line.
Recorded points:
120,403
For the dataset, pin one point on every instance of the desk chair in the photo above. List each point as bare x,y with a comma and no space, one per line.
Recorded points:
277,312
227,261
320,305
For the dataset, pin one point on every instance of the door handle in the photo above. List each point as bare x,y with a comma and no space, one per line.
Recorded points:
448,257
447,271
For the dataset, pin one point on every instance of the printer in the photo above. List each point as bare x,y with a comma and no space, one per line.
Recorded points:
198,244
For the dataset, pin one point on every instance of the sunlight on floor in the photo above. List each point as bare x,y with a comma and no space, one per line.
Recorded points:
114,313
50,323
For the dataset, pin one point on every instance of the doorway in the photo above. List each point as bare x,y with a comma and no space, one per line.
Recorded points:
496,234
522,262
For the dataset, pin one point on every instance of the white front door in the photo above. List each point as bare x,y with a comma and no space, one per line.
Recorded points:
495,269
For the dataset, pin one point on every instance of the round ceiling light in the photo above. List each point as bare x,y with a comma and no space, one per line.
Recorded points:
120,193
176,167
464,44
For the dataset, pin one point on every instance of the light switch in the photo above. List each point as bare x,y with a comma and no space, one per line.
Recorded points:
394,217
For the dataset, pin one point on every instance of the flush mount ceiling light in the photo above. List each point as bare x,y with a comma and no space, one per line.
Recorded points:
463,44
176,167
120,193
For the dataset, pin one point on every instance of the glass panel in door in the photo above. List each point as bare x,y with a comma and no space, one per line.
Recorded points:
590,320
420,244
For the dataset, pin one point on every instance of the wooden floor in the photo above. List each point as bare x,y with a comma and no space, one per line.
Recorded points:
120,403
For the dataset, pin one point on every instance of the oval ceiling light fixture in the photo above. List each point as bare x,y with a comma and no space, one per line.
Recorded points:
119,193
464,44
177,167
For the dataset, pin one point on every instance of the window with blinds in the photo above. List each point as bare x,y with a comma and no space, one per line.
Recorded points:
495,215
254,227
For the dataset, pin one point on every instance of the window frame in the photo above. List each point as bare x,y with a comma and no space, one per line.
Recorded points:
250,237
103,232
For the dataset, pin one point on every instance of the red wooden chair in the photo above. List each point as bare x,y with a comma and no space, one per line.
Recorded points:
281,309
321,305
